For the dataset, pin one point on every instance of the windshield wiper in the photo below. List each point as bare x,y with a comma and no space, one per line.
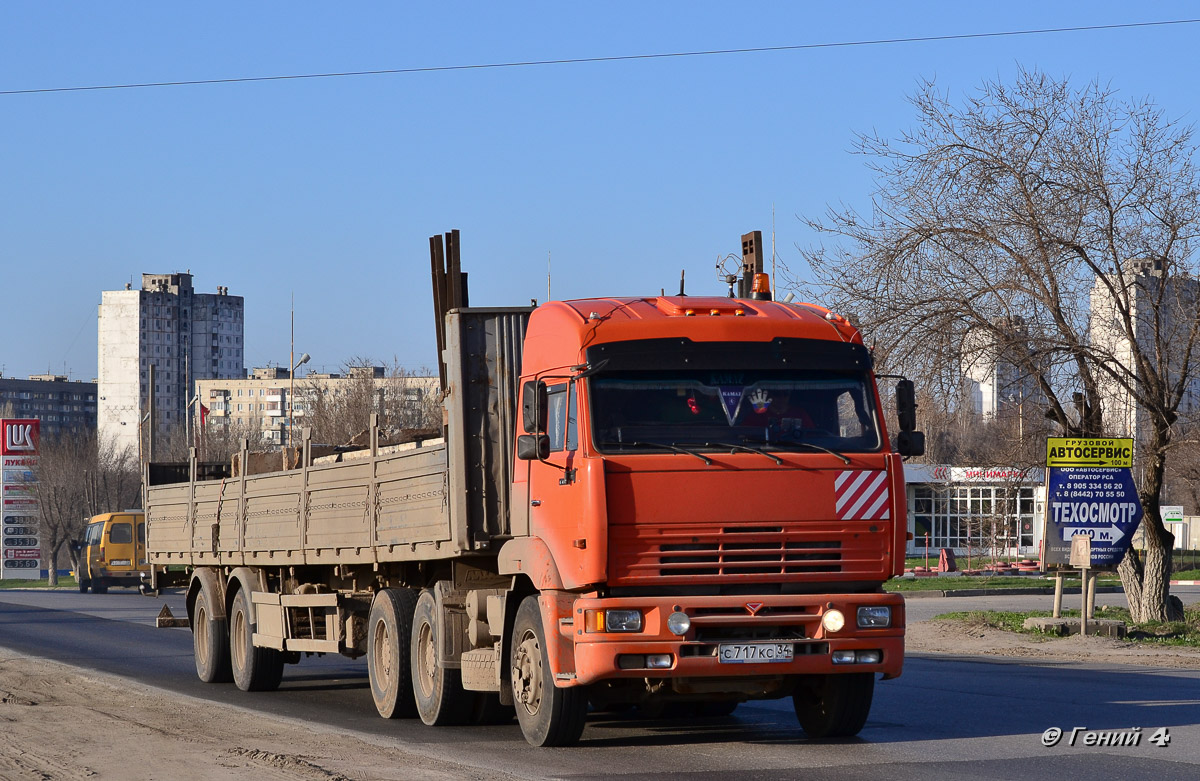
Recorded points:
747,448
778,444
675,448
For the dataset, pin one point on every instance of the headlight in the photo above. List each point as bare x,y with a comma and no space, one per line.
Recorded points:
874,617
613,620
679,623
833,620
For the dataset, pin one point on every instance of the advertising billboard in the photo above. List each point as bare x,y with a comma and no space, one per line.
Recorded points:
20,543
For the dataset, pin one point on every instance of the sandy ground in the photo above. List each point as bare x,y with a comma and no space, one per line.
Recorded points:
60,723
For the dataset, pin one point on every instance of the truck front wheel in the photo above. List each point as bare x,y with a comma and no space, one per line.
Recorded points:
389,667
254,669
440,697
833,706
210,641
549,716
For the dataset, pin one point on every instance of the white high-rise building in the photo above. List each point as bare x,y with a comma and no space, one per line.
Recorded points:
1170,301
995,368
184,335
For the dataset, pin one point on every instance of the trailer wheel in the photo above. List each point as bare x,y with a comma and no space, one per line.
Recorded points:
389,636
210,641
549,716
440,697
254,669
834,706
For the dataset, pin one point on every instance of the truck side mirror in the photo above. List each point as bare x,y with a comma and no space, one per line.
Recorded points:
533,447
535,407
906,405
910,443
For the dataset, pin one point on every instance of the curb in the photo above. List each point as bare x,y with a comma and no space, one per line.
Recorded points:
1185,582
1016,592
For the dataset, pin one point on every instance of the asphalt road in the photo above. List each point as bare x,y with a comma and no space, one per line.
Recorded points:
944,718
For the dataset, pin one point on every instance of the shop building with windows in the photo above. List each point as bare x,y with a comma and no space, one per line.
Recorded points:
978,510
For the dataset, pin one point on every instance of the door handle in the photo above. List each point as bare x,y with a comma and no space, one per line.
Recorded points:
535,502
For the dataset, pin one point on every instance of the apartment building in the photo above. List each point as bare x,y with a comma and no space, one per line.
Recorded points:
61,405
260,402
184,335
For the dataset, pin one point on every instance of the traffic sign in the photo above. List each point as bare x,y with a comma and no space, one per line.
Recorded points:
1090,492
1075,451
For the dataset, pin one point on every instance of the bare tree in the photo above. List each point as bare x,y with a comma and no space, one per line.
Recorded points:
339,410
1068,209
78,477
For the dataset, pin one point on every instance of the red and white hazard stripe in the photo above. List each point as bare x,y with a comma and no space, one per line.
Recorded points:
862,495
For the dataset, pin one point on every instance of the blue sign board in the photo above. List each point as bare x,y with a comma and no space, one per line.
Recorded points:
1098,502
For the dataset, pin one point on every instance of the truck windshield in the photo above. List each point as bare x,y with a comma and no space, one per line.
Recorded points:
707,410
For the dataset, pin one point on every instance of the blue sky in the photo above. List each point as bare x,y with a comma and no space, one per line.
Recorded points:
625,172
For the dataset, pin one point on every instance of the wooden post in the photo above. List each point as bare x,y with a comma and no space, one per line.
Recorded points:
1058,589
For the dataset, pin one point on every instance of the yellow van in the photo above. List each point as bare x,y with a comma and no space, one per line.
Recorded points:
113,552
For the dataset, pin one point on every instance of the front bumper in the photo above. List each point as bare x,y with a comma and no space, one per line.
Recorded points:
792,619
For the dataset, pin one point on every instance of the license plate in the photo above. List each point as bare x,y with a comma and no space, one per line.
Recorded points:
742,653
120,562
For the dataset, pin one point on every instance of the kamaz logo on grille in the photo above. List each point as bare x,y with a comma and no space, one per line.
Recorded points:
862,495
754,607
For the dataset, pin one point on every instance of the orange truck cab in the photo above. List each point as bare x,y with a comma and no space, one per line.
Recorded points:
711,505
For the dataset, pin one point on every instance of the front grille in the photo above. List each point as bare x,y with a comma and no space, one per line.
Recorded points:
724,552
749,558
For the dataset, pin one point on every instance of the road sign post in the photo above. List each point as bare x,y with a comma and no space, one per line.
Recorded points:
1081,556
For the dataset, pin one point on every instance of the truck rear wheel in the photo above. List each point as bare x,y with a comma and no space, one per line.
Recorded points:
99,586
210,641
834,706
549,716
389,645
254,669
438,691
84,585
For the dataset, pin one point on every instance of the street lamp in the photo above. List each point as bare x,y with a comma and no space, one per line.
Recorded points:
292,390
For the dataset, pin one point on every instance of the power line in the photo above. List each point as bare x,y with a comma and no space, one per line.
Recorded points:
615,58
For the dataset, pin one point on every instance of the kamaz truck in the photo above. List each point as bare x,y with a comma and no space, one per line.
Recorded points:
635,500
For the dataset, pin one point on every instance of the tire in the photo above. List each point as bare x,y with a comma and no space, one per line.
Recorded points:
84,585
99,586
834,706
389,647
549,716
254,669
210,641
438,692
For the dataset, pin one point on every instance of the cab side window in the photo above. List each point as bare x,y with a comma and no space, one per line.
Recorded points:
561,426
94,532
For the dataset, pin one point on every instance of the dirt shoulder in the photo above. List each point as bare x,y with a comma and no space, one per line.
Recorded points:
963,638
66,724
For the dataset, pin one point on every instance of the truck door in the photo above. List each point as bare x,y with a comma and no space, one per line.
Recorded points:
556,494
